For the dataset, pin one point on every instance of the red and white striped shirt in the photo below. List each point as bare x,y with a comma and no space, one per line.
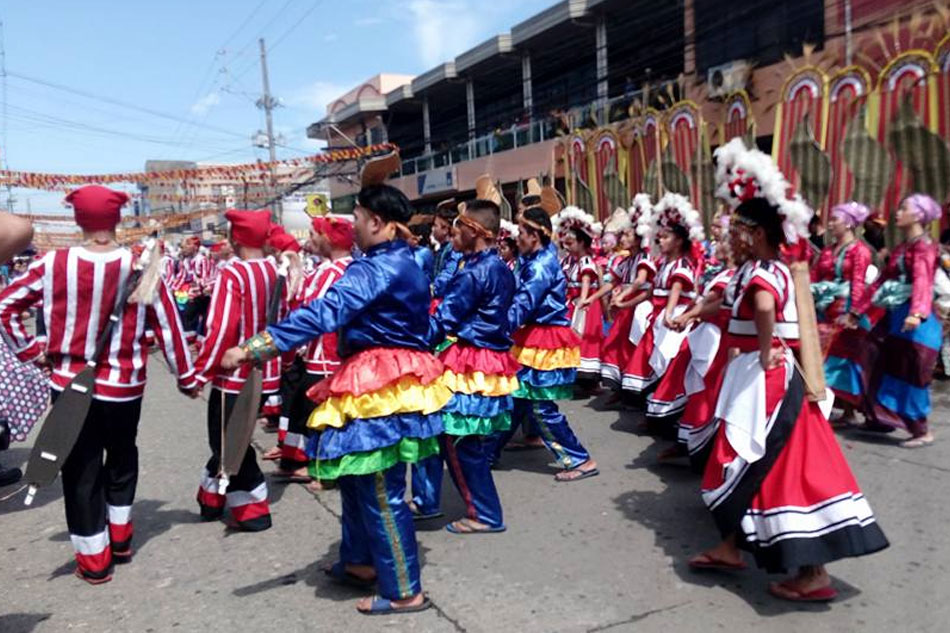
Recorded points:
196,272
238,311
168,269
78,289
321,357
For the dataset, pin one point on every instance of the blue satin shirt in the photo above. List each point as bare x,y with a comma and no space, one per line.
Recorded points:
380,301
446,265
425,258
541,296
475,307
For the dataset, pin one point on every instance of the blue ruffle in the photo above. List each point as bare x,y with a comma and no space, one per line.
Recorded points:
546,378
479,405
362,435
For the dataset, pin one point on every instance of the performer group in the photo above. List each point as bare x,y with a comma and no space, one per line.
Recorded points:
394,345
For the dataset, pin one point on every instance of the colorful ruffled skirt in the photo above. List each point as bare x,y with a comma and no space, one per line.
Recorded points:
549,356
382,407
482,381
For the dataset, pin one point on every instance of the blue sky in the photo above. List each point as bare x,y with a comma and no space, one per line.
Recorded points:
192,70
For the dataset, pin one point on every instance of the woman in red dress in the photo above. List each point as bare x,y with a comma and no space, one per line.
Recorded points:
776,482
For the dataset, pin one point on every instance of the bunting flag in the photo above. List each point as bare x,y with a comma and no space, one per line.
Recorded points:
683,123
906,74
738,120
276,171
812,165
803,93
848,91
604,149
867,160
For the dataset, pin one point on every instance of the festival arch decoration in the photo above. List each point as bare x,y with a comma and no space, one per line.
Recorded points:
684,121
802,94
604,148
579,166
651,145
848,91
738,119
909,75
636,159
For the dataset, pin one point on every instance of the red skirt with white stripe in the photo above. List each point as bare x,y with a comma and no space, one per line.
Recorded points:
698,424
638,376
617,349
592,340
799,503
669,399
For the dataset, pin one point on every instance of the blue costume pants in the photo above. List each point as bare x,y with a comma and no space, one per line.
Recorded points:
469,461
378,530
427,484
553,428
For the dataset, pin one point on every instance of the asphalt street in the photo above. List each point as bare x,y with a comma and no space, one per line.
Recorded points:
604,554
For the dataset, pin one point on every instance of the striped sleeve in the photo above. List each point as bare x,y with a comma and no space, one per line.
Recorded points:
23,292
164,321
224,322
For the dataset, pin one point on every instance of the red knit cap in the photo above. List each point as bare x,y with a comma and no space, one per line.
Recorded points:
97,208
337,230
282,241
249,228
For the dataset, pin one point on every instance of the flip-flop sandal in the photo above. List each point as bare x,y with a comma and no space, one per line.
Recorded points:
783,592
417,515
338,574
91,580
916,442
382,606
473,530
584,474
291,478
714,564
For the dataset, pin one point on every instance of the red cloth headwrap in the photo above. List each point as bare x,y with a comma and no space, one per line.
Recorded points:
337,230
249,228
282,241
97,208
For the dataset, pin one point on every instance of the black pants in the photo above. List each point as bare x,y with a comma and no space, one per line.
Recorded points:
293,453
193,318
97,491
247,491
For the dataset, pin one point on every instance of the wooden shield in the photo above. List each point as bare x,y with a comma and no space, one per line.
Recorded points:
240,424
59,432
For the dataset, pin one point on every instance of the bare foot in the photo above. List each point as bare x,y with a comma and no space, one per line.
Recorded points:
272,454
919,441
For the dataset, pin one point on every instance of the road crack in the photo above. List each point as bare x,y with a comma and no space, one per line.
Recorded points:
445,616
634,618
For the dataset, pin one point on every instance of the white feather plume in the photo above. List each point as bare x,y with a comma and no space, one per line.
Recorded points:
508,229
673,209
575,218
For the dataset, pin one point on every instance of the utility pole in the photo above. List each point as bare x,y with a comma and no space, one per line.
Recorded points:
268,103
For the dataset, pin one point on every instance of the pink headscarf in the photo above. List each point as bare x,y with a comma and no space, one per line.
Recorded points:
924,207
851,213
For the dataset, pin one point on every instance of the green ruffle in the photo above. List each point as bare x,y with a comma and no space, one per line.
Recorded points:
448,342
458,424
409,450
556,392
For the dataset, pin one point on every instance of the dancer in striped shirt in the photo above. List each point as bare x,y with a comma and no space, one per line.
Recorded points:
238,310
78,288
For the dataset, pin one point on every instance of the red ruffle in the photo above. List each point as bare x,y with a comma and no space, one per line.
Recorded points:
546,337
466,360
373,369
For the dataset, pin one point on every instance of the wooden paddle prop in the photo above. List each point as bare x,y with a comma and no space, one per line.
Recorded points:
65,420
812,360
237,432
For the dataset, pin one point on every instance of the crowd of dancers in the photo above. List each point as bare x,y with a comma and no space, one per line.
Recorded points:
386,360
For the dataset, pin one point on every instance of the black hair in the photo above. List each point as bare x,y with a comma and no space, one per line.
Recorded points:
510,243
531,200
447,212
683,233
761,212
874,235
945,236
582,237
423,231
537,215
385,201
485,212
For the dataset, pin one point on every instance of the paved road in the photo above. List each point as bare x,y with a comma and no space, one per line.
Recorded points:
606,554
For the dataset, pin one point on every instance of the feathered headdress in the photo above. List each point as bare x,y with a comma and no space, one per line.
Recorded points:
508,230
672,210
743,174
641,208
574,218
618,222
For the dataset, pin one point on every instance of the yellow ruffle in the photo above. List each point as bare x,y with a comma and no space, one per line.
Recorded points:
480,383
406,396
548,359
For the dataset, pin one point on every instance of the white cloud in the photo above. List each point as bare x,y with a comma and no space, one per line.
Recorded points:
368,21
205,103
318,95
443,28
